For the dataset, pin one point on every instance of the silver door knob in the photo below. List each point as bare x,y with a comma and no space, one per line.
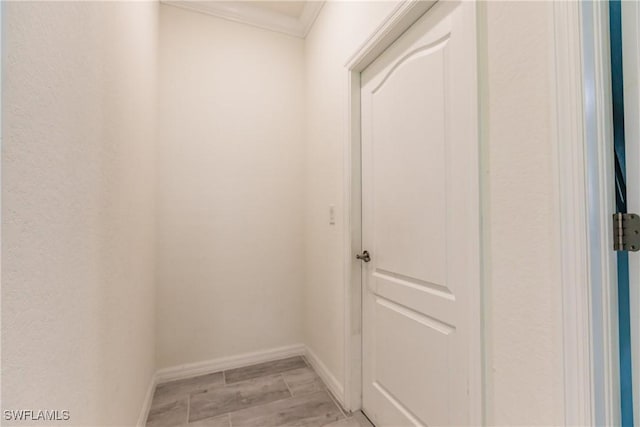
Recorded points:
364,256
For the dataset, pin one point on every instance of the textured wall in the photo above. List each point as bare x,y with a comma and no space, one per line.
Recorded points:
78,162
339,30
523,340
230,253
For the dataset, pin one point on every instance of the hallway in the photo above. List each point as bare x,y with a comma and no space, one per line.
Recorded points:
262,213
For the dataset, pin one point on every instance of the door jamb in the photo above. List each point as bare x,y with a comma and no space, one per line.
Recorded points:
584,181
405,14
631,66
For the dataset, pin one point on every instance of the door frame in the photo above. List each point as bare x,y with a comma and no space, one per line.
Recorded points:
401,18
602,307
585,181
581,117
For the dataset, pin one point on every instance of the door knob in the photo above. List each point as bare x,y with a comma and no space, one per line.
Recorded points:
364,256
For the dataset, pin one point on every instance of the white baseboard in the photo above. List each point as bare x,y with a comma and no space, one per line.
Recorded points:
146,404
327,377
223,363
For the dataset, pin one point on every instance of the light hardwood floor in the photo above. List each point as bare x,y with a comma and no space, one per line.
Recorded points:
284,392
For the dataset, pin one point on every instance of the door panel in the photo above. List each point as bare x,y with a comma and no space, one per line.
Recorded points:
420,221
414,376
409,198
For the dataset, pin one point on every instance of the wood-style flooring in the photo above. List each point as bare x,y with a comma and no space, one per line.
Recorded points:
284,392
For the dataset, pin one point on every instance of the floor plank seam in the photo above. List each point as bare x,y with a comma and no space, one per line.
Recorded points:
287,384
188,406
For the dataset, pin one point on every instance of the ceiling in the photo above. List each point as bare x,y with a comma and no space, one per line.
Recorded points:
294,17
290,8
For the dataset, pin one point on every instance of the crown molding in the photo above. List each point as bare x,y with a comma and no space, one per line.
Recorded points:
245,13
309,14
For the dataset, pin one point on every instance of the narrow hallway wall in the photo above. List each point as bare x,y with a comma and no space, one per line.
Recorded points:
338,31
231,189
522,289
78,172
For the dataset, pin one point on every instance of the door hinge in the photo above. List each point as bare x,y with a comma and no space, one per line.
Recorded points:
626,232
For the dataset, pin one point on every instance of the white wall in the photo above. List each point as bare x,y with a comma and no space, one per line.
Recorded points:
77,208
522,284
230,226
523,290
338,31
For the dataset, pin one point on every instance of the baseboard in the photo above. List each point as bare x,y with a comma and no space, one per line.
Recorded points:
223,363
329,379
146,404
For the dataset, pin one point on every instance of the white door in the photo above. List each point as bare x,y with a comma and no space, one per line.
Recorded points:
631,75
420,198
